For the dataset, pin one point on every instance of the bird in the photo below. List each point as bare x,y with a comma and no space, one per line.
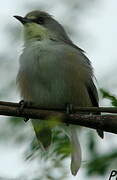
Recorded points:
54,72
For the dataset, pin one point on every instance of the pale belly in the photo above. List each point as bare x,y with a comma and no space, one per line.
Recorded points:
54,92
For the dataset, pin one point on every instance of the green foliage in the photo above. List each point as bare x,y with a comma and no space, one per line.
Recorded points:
100,164
56,155
108,95
60,148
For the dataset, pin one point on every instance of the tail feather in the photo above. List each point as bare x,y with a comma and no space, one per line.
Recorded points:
76,152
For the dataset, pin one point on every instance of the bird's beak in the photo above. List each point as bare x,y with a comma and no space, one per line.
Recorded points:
23,20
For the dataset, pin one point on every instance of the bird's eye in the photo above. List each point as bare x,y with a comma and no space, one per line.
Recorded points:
39,20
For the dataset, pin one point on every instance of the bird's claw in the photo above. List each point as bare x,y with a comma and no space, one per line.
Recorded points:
69,110
23,104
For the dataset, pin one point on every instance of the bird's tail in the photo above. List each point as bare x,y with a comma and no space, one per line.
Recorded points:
76,152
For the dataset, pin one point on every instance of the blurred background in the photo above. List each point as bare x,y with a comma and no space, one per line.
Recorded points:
92,25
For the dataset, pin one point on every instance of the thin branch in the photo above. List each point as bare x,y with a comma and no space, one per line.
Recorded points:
103,122
76,109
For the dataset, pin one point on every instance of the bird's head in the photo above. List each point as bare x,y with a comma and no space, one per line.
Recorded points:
40,25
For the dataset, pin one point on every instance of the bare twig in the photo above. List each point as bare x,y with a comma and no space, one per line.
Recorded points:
104,122
79,109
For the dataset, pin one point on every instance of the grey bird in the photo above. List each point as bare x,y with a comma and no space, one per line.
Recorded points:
54,72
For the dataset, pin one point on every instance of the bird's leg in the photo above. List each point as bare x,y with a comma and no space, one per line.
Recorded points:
22,105
69,110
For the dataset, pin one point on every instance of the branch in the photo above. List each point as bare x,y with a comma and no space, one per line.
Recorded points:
103,122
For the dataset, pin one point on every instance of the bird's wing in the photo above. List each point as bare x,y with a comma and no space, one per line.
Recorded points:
93,93
91,88
94,99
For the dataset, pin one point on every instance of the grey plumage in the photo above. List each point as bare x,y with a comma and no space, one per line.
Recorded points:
53,72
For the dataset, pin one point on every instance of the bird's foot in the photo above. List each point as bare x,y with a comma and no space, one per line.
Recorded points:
69,110
22,105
